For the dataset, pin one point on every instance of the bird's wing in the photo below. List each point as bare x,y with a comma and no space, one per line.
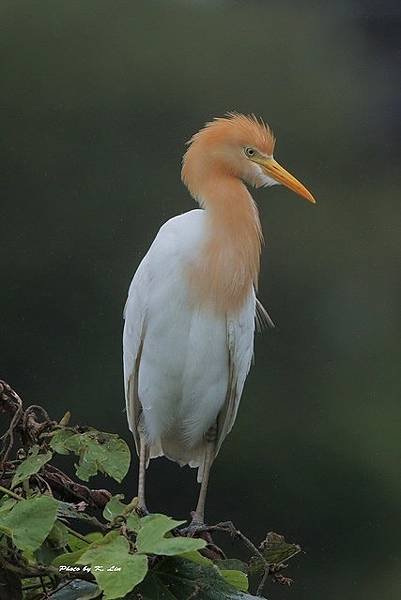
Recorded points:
240,335
134,316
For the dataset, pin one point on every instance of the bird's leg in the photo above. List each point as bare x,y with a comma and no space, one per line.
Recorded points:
142,472
198,517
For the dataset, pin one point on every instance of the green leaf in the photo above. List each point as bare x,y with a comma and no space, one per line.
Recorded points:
58,440
76,590
70,558
94,536
151,540
232,564
197,558
58,537
180,579
29,557
76,543
45,554
114,508
237,579
134,522
6,504
275,550
113,552
78,548
30,521
98,451
30,466
5,530
66,510
234,572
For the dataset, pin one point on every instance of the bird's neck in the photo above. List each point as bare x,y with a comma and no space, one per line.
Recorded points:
228,263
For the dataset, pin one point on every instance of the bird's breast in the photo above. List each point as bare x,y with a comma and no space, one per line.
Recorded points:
221,277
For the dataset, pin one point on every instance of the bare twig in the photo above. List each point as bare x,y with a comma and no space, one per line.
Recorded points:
33,426
76,534
10,493
12,403
73,491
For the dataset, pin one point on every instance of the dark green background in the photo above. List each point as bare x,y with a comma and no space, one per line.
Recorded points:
97,100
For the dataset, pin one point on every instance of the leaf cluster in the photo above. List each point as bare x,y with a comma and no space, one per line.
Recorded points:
43,550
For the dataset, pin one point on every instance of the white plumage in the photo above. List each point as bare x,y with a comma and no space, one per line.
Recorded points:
188,354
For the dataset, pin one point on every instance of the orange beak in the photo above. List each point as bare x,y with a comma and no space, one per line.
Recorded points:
277,172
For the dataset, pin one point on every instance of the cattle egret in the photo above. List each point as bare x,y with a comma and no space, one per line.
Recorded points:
191,308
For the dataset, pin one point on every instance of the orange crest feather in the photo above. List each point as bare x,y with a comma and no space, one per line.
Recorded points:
238,128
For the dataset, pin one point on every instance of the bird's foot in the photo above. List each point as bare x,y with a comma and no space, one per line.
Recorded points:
197,524
198,528
195,528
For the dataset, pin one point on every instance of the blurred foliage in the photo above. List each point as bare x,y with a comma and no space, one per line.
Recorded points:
98,100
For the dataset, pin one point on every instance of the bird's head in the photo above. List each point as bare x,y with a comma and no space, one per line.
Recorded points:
239,146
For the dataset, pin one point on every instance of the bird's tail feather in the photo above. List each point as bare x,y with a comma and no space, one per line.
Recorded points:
193,456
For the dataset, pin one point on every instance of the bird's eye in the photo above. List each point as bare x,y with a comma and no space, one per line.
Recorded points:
250,152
